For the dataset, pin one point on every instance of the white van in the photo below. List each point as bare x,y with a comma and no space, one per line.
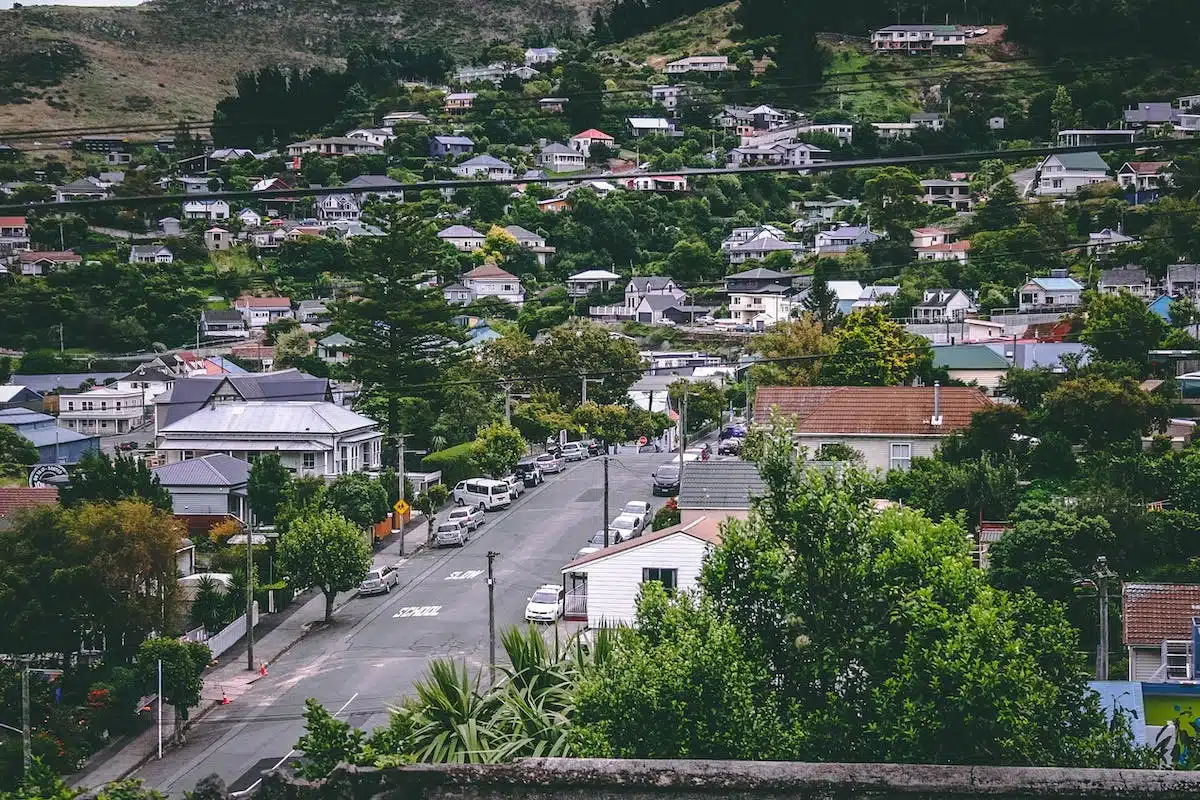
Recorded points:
483,493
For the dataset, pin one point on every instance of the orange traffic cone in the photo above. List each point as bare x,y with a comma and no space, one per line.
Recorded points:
225,698
262,669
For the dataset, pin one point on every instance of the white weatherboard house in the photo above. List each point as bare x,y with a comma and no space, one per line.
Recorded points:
312,438
210,486
1057,291
1066,173
602,588
102,411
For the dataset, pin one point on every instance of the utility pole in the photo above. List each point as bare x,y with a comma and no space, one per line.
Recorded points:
400,479
60,338
160,705
508,401
26,736
250,598
491,557
683,436
606,495
1103,573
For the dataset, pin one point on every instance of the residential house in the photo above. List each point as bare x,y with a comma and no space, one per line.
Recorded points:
975,364
148,379
791,154
460,101
1050,293
928,237
1145,176
17,498
334,348
492,73
393,118
445,146
43,262
1188,102
170,226
531,241
1095,137
760,246
20,397
1158,629
1183,280
1134,280
312,438
260,311
718,490
380,186
1049,355
217,238
754,118
1066,173
462,237
698,64
761,297
932,120
55,444
946,251
150,254
821,212
102,411
894,130
648,126
207,490
639,288
666,96
847,294
602,588
376,136
250,218
875,295
655,183
553,105
842,131
739,235
888,425
541,55
943,305
456,294
485,166
332,207
560,158
489,280
653,309
584,140
223,324
14,235
86,188
312,312
581,284
756,278
334,146
1151,115
953,194
1106,242
843,237
937,39
196,392
210,210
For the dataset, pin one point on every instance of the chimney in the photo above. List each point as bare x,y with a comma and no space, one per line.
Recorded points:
937,404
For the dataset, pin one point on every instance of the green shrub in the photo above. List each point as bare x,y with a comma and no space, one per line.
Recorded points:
456,463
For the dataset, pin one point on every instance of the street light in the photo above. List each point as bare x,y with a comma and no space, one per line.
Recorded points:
1101,575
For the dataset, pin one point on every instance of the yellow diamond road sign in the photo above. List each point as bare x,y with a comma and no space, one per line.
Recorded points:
401,508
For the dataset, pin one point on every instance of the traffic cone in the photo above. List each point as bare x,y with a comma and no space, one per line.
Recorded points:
225,698
262,669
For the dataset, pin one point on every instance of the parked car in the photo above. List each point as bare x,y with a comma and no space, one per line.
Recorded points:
666,479
469,516
594,447
614,537
529,471
516,486
586,550
550,463
735,430
451,533
628,525
483,493
378,581
546,604
639,507
574,451
729,447
126,446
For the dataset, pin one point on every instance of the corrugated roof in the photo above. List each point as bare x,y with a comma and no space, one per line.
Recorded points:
217,469
1152,612
1057,284
188,395
968,356
870,410
706,529
485,160
719,484
521,234
260,416
1090,160
63,380
758,273
246,301
486,271
459,232
13,498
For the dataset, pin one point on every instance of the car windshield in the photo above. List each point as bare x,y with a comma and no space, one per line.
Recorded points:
668,472
374,575
448,527
598,538
545,596
624,523
460,512
635,507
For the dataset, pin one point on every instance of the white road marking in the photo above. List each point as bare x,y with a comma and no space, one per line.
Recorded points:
463,575
417,611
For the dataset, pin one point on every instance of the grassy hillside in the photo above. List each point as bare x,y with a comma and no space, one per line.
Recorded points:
706,32
67,66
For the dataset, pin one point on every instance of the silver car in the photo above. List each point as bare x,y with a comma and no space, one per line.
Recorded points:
629,525
574,451
449,534
516,486
378,581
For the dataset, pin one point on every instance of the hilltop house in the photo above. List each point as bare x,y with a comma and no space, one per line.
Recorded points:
761,297
223,324
841,238
560,158
541,55
790,154
462,237
86,188
937,39
444,146
217,238
1066,173
14,235
460,101
210,210
584,140
334,146
531,241
43,262
490,280
259,311
485,166
376,136
1145,176
1134,280
928,119
148,379
584,283
647,126
942,305
150,254
651,286
393,118
759,246
698,64
1106,242
331,207
380,186
1050,293
1183,280
954,194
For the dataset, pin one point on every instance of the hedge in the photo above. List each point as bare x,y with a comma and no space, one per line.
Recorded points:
455,463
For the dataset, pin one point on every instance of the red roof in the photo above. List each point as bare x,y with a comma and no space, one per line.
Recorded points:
58,256
1152,612
1147,167
867,410
592,133
929,231
246,301
12,222
489,271
258,351
947,247
17,497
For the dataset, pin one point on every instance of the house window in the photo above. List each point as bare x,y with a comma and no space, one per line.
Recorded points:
1056,183
1177,658
669,578
901,455
309,460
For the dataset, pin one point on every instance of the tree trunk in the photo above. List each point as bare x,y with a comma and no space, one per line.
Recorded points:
429,532
329,606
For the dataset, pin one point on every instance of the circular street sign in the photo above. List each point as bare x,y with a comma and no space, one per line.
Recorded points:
642,441
44,475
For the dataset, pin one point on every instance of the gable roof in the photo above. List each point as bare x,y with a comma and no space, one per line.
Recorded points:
558,147
659,302
870,410
1152,612
705,529
216,469
521,234
459,232
148,249
221,315
594,275
1057,284
758,273
650,283
54,256
1090,160
371,182
592,133
264,416
1123,276
247,301
144,373
968,356
719,484
1145,167
188,395
459,140
13,498
489,271
484,160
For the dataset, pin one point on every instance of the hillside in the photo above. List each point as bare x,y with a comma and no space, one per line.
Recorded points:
167,58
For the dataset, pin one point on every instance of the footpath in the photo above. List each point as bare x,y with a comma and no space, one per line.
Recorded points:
229,678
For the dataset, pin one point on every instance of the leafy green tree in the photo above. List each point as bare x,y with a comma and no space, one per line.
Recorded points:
1182,311
101,478
327,742
268,487
183,664
429,502
693,261
1063,114
583,85
705,401
982,487
291,348
893,195
498,448
789,347
1002,209
822,303
1029,387
325,550
358,498
1099,413
577,349
17,454
871,350
210,607
666,516
1120,327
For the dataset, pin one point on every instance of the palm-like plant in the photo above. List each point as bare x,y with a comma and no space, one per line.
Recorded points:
450,721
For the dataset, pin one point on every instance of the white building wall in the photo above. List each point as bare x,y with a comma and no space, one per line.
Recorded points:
613,582
876,450
986,379
1144,662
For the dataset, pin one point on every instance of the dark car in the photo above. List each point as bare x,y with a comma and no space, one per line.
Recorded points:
730,447
733,431
529,472
594,448
126,446
666,479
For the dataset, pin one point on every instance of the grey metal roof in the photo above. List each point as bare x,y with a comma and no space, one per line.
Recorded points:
485,160
1123,277
459,140
1090,160
265,417
659,302
336,340
650,283
719,484
371,182
69,380
557,147
458,232
148,249
19,417
188,395
217,469
150,374
50,435
759,273
221,315
522,234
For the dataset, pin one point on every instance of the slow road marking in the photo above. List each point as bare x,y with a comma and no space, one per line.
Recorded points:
464,575
417,611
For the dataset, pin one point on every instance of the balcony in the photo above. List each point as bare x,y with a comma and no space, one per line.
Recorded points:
575,605
125,412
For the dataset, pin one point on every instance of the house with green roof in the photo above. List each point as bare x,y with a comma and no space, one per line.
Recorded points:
1062,174
975,364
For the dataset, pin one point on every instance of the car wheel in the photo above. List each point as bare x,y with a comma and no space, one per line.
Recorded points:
387,589
481,508
458,501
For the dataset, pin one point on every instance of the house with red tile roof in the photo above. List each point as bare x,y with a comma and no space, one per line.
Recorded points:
1157,620
584,140
889,425
42,262
14,235
1143,176
489,280
15,498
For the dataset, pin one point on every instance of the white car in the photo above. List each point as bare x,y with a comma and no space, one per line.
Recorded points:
639,507
451,533
468,516
628,525
574,451
546,604
549,463
378,581
515,484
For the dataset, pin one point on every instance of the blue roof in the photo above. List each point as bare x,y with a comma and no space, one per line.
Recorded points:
1058,284
1162,307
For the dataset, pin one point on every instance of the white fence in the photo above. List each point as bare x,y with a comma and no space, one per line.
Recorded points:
224,639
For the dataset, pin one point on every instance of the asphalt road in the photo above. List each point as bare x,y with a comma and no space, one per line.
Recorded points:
378,646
